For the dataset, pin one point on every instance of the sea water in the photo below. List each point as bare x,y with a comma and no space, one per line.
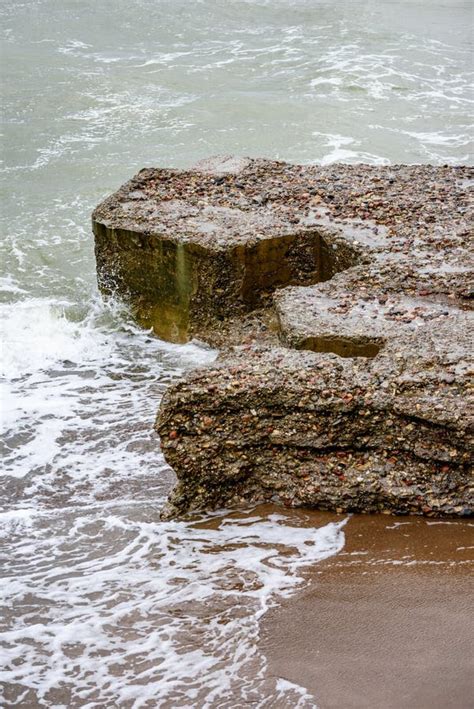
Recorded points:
103,605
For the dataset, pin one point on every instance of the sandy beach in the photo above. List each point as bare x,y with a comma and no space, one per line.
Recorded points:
386,624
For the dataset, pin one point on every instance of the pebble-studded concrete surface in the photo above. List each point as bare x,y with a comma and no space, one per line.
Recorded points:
385,424
405,209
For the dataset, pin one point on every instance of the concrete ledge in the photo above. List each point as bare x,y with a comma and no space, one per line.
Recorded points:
298,428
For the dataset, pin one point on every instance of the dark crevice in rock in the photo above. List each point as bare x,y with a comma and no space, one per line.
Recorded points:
342,346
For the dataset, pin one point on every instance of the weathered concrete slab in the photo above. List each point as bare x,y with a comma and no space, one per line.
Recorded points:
367,402
189,249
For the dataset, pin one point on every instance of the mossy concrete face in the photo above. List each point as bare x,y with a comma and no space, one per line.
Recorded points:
347,291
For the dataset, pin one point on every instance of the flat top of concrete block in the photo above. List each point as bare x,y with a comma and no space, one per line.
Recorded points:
226,201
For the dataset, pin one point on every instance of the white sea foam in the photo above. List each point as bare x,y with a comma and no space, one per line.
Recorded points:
36,334
338,153
137,610
16,521
79,397
8,285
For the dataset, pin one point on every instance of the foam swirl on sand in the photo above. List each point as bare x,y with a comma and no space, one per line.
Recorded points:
112,608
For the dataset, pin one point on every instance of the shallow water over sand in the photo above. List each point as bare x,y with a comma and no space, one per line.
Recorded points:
104,605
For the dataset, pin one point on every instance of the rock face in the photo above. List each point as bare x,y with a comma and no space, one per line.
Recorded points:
348,291
192,249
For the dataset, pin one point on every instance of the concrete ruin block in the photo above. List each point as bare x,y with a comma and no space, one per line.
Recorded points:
349,386
189,249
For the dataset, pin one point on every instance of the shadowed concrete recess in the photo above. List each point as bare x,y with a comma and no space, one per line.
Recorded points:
341,300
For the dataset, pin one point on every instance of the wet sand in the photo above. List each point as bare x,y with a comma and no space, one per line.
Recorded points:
387,623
